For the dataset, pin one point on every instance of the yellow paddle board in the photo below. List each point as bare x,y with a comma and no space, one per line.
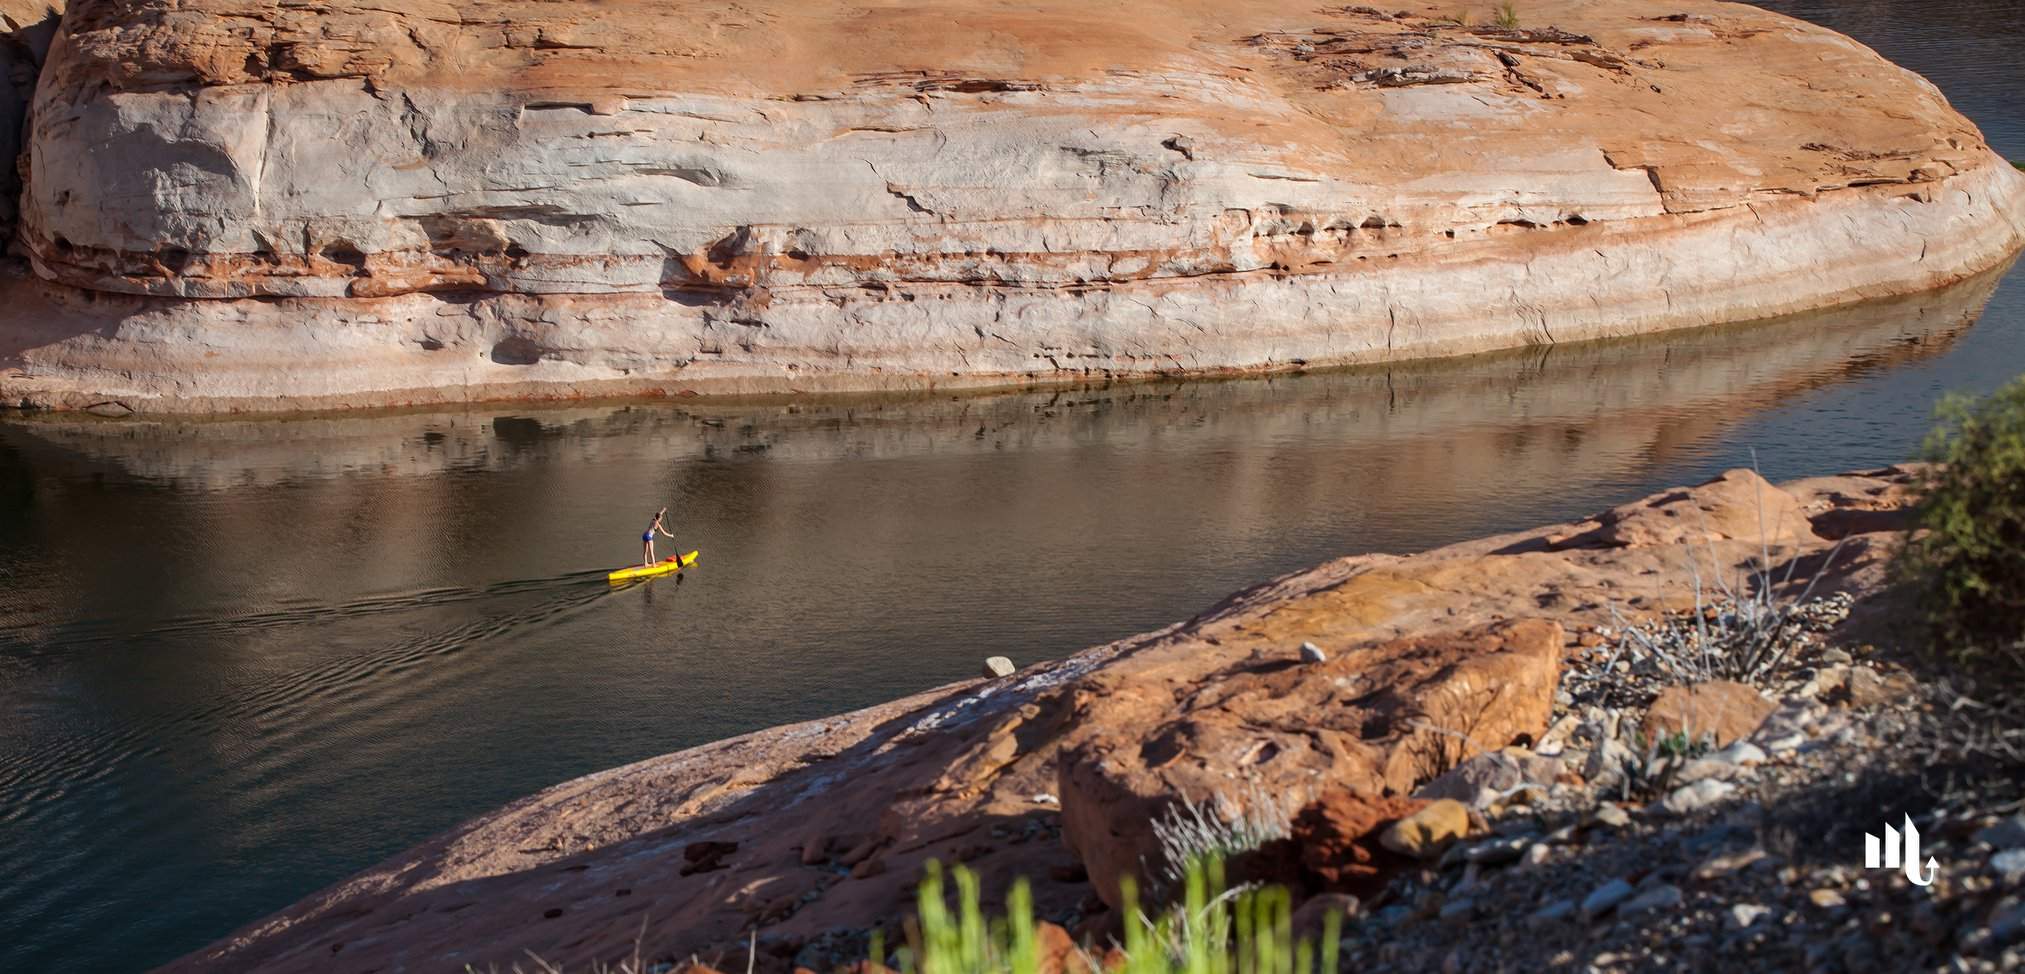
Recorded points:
672,563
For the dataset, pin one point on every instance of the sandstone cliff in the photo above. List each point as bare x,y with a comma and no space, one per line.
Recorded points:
792,834
234,204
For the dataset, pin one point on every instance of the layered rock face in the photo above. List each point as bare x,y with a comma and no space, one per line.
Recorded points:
235,204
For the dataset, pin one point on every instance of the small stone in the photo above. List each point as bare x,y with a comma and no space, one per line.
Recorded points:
1605,898
2008,833
1664,896
2009,864
1742,915
1722,865
1555,740
1869,688
1311,653
1695,797
1483,778
1726,833
1742,754
1701,768
1394,915
1536,855
815,850
1791,719
1826,899
1611,815
1552,913
862,851
1497,852
1789,741
1425,833
1462,909
2008,922
811,957
997,666
1605,768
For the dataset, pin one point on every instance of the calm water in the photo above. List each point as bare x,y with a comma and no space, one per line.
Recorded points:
239,661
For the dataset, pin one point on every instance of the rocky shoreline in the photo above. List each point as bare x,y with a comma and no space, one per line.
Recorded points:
1522,689
247,207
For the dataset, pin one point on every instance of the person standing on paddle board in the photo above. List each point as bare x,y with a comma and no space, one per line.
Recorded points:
647,539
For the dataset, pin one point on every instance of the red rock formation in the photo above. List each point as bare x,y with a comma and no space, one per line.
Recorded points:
245,204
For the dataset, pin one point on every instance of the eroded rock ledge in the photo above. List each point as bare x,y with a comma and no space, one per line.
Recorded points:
235,204
1056,771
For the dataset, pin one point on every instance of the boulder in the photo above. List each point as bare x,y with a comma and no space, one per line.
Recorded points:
997,666
1862,687
1373,720
1728,710
1688,799
1426,833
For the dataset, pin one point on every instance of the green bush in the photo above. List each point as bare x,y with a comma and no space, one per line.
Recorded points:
1212,931
1970,566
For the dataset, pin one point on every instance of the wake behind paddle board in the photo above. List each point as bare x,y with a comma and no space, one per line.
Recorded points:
672,563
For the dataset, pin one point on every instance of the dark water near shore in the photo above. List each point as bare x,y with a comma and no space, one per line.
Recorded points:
239,661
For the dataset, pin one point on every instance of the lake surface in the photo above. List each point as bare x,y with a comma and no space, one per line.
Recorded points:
240,661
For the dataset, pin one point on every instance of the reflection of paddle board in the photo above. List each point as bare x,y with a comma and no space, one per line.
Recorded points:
673,563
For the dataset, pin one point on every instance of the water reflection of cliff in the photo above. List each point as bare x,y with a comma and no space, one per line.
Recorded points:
1588,407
